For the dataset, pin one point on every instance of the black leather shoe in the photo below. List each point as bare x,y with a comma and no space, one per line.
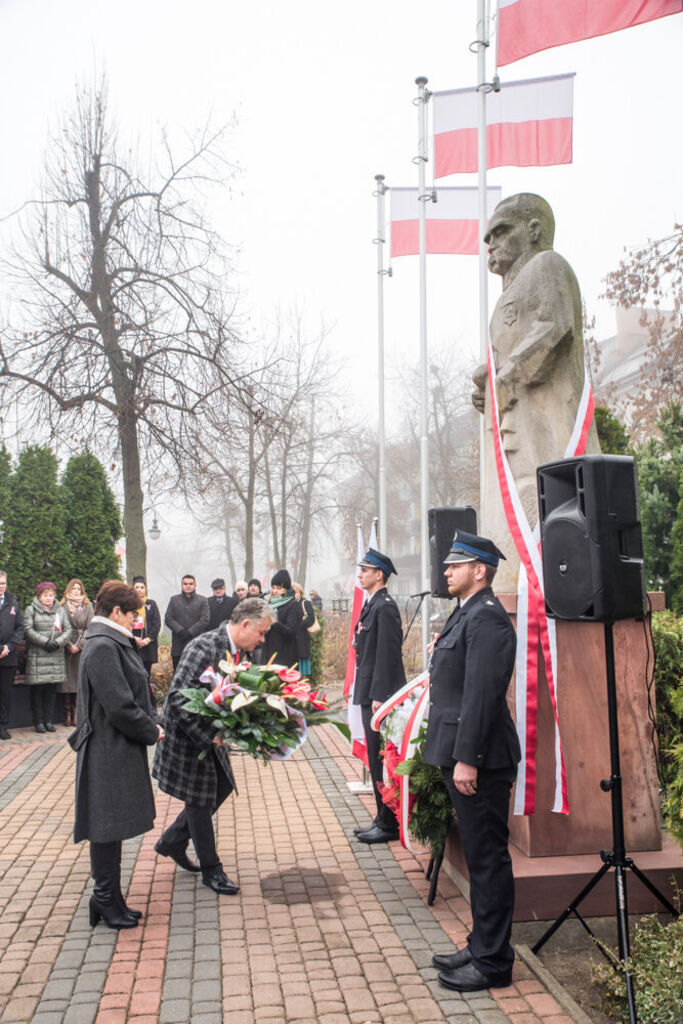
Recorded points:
470,979
377,834
220,883
4,734
179,856
363,828
39,727
49,727
451,961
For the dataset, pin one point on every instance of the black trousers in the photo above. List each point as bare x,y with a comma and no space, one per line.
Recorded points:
483,823
42,698
373,741
195,823
6,688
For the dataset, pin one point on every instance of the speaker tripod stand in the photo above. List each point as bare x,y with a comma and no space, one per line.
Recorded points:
616,857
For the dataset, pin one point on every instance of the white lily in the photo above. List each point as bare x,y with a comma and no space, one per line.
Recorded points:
278,703
243,698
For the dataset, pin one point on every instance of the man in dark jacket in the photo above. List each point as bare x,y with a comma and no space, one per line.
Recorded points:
472,738
202,784
187,616
379,673
11,634
283,637
220,605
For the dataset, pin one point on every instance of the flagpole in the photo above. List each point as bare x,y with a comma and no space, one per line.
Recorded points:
380,192
482,42
421,161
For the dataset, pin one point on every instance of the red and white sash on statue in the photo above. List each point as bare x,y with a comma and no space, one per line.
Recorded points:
532,622
408,740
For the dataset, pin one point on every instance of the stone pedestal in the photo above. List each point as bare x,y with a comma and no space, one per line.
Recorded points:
582,703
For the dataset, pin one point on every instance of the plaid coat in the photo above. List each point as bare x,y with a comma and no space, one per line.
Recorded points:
176,765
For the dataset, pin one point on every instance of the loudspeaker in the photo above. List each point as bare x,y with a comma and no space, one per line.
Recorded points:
591,540
442,523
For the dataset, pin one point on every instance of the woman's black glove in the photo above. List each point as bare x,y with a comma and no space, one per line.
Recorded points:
51,646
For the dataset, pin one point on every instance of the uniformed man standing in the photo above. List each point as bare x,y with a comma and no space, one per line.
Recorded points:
472,738
379,673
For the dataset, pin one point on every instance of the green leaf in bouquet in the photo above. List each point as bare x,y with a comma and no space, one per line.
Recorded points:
405,767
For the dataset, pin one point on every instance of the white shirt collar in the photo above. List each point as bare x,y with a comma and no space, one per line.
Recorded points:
104,621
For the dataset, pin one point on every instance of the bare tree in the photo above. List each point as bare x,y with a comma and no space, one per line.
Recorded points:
453,456
267,460
652,275
120,324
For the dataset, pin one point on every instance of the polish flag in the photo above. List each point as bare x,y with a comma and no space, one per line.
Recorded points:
527,26
353,714
452,220
528,124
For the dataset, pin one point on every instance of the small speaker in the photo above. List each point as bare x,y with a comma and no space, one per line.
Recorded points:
591,540
442,523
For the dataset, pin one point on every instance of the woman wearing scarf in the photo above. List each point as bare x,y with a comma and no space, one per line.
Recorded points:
79,613
282,639
47,634
116,724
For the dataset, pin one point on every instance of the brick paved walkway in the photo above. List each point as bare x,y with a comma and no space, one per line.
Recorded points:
323,930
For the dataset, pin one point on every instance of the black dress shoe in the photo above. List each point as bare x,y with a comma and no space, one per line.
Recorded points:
363,828
220,883
179,856
49,727
39,727
4,735
470,979
451,961
377,834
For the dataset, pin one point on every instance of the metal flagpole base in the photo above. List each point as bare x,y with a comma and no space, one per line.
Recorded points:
363,786
360,787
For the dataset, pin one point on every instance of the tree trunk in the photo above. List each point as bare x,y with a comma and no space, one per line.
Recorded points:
271,509
133,524
305,521
228,553
249,507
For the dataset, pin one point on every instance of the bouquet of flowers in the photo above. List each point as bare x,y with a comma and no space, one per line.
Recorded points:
264,710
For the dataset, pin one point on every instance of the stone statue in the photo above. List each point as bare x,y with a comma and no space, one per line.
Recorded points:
537,339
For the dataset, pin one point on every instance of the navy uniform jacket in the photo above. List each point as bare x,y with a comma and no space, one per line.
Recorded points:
378,639
473,660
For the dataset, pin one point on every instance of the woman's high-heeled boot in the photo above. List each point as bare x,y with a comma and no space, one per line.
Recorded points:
135,914
104,902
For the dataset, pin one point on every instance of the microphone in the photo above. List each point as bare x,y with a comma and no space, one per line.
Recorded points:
423,593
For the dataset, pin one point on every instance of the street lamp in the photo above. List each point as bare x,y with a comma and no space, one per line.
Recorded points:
154,532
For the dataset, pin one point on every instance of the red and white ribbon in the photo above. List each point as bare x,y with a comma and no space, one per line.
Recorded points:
532,622
408,740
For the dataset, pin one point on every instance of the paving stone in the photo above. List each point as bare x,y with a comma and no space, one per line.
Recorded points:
175,1011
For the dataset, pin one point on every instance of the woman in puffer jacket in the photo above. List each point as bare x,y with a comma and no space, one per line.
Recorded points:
47,633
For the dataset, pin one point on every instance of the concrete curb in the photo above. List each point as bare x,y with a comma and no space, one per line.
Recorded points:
552,985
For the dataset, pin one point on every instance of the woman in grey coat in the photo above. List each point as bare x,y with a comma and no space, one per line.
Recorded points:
116,722
48,631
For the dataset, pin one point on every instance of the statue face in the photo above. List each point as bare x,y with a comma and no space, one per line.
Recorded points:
507,239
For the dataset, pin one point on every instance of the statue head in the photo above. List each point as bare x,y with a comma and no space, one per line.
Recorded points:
521,226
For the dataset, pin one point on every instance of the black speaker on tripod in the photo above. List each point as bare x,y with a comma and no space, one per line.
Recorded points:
592,548
442,524
591,539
